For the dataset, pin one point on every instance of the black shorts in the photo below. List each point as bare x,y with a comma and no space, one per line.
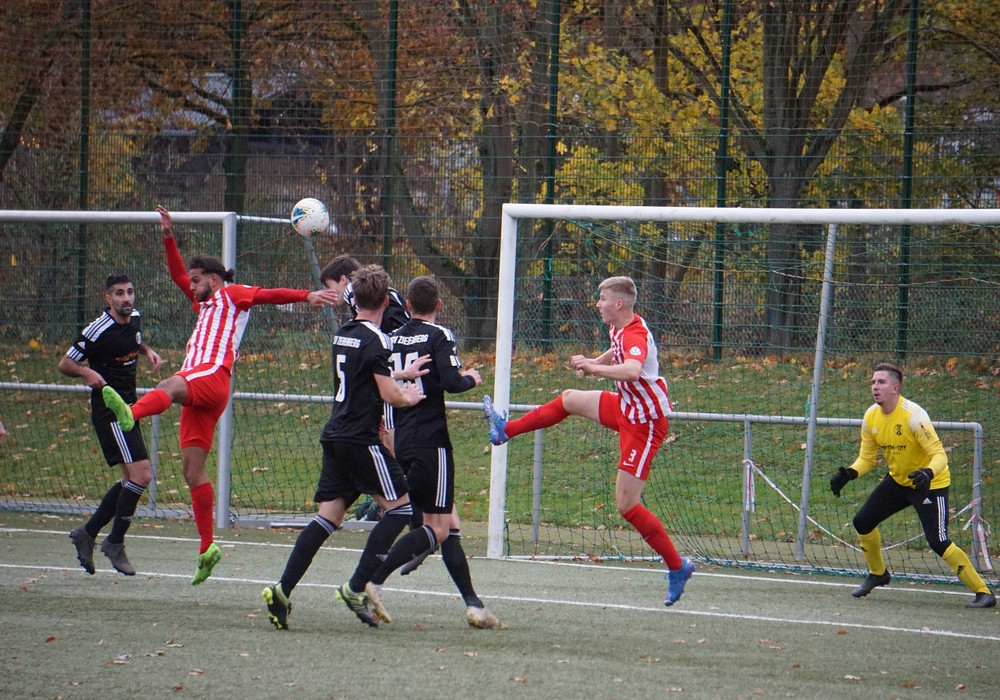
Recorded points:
889,498
430,472
118,447
351,469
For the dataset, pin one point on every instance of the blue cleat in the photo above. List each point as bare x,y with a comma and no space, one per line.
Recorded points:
677,581
496,422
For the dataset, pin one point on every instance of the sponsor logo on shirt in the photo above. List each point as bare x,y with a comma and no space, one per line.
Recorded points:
409,339
347,342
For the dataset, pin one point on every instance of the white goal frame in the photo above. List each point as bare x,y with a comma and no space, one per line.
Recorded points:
513,212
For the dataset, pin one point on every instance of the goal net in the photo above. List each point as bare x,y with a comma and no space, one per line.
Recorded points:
745,306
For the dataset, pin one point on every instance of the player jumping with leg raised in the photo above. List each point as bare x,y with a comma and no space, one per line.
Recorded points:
636,411
202,385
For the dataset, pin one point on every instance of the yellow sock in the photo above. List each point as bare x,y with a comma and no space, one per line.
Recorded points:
962,566
871,545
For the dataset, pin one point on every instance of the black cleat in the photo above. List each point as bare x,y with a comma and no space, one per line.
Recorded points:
871,583
983,600
119,560
84,544
357,603
278,606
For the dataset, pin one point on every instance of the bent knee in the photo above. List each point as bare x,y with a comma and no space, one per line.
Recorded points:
863,526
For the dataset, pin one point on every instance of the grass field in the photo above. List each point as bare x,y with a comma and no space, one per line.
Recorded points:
575,630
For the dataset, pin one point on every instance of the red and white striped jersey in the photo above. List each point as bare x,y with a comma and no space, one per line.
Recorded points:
222,318
219,330
646,398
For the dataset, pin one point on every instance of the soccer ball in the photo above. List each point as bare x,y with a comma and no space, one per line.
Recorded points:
310,216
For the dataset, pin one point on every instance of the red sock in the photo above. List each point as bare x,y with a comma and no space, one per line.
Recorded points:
152,404
544,416
651,529
202,503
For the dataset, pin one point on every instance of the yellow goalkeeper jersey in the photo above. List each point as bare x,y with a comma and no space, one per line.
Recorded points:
908,442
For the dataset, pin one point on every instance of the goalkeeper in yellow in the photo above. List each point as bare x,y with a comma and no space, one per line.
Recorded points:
918,477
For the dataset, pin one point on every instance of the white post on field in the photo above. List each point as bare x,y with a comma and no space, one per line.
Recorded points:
501,385
224,473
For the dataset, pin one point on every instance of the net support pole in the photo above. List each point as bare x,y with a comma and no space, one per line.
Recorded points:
224,474
536,485
748,490
501,383
978,529
154,460
824,313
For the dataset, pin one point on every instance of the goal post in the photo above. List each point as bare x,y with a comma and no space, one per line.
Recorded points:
499,527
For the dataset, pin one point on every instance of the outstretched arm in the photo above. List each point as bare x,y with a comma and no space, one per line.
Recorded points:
281,295
175,263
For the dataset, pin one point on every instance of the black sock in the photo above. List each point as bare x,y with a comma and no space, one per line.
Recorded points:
410,545
105,511
458,567
417,519
307,544
379,542
128,500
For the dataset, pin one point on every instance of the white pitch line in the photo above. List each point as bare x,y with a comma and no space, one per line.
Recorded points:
899,587
576,603
578,565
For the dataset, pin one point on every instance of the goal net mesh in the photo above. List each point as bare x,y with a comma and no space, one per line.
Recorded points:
730,492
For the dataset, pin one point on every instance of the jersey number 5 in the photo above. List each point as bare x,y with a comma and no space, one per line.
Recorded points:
339,380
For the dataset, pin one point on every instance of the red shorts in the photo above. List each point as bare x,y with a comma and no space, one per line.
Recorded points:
638,442
208,395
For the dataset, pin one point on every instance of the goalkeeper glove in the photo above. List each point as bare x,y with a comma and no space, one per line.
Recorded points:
921,480
839,480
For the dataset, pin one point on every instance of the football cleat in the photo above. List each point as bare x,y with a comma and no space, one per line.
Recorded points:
357,603
983,600
206,562
496,422
84,544
122,411
119,560
482,619
374,593
278,606
871,583
677,580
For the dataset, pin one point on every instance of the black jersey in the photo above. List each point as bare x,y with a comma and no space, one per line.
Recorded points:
426,424
395,314
112,350
360,351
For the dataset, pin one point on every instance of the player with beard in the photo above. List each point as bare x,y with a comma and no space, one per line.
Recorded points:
110,346
202,386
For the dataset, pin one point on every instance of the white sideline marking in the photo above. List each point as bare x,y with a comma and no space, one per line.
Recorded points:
549,601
